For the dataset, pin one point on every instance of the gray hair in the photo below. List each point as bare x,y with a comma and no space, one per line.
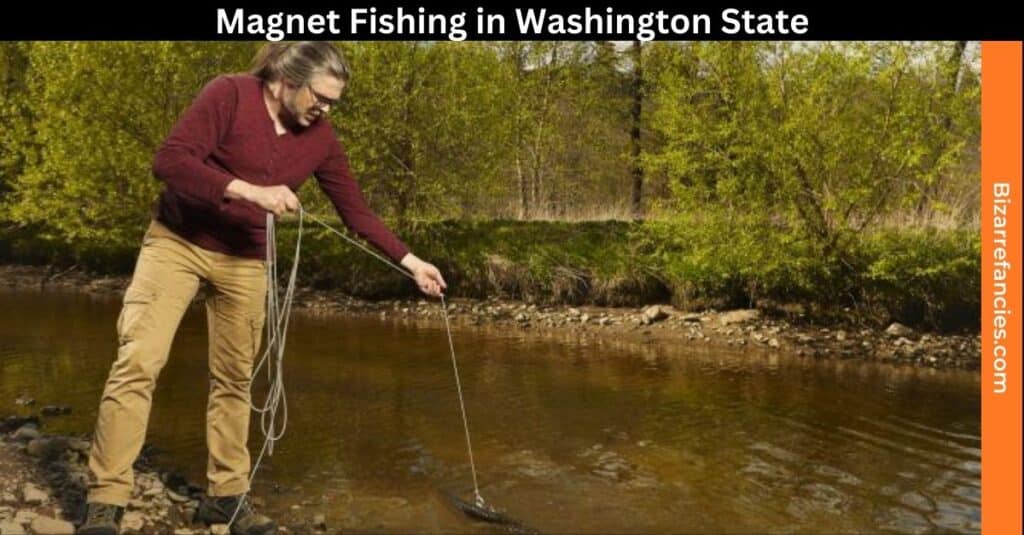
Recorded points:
297,62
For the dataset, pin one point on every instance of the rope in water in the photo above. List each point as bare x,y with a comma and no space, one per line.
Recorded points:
451,346
278,312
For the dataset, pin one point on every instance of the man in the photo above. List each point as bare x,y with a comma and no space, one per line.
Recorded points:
239,151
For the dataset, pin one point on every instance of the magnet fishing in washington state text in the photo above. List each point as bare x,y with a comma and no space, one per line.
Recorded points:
369,22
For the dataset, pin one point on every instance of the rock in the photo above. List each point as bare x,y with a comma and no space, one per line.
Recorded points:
320,522
522,318
12,423
37,446
604,321
11,528
899,330
81,446
219,529
183,531
584,318
25,516
655,313
136,503
55,410
574,312
132,520
840,335
44,525
25,433
176,481
33,495
774,342
692,317
24,401
78,479
739,316
46,447
177,498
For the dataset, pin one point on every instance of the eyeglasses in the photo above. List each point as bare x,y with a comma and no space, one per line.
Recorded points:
322,102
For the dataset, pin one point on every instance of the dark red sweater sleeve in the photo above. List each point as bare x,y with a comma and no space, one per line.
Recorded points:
180,160
335,178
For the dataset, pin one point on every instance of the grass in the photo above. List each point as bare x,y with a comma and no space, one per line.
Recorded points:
928,277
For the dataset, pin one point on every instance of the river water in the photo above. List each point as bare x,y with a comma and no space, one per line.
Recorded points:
568,436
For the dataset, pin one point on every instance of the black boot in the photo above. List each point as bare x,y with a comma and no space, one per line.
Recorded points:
101,519
219,510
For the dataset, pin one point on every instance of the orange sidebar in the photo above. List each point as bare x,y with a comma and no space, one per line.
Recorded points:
1001,287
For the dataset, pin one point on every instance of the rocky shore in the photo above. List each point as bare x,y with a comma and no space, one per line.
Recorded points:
790,332
44,480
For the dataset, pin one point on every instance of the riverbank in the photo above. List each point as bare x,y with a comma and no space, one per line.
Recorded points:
780,330
926,278
42,491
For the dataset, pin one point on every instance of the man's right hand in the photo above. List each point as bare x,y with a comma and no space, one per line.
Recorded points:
276,199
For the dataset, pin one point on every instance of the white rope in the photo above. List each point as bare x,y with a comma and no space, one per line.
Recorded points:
444,309
278,312
462,405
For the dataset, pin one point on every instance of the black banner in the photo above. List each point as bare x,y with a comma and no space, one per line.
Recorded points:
479,21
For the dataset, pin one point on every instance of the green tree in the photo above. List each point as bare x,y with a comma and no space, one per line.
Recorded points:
423,124
100,110
16,136
823,140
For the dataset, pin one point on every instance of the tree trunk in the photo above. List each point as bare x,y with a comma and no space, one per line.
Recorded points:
637,91
518,53
406,152
953,71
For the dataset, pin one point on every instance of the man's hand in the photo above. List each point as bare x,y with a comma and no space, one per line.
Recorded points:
276,199
427,276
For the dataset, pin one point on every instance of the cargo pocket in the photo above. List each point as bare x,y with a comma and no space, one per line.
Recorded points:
136,310
256,335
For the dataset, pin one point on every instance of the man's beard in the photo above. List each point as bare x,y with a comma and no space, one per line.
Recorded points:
290,119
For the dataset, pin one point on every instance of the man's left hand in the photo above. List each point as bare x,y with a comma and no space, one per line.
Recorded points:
427,276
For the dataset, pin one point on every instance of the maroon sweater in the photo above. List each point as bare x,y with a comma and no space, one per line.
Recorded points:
227,133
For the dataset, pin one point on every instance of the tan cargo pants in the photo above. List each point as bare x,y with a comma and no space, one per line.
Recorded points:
166,279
